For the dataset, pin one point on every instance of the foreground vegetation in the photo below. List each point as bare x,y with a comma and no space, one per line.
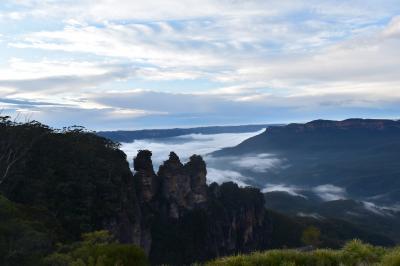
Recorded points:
354,253
97,249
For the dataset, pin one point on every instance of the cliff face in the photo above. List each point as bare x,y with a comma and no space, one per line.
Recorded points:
183,220
146,179
182,187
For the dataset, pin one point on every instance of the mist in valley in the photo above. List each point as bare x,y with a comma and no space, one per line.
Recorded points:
246,170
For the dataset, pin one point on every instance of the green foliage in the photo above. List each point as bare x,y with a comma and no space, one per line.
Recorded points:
23,239
311,236
98,237
354,253
392,257
97,249
281,257
59,184
81,178
58,259
334,233
16,141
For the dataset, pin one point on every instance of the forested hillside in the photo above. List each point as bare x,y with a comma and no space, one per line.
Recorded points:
360,155
347,170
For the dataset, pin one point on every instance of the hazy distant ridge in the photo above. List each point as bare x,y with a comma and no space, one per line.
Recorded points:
131,135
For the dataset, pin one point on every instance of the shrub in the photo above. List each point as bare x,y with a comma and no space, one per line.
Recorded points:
391,258
98,249
311,236
354,253
23,239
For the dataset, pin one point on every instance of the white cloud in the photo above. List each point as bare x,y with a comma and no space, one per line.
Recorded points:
291,189
265,59
376,209
393,29
51,80
20,69
362,64
117,113
258,163
99,10
138,42
312,215
185,146
330,192
220,176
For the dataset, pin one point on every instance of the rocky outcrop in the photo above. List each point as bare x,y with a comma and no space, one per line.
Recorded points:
196,169
146,180
246,226
182,219
183,187
175,188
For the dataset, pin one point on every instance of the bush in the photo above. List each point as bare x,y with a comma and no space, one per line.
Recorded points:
98,249
23,239
392,257
311,236
354,253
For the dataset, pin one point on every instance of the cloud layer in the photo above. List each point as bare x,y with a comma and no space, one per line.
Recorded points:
330,192
164,63
187,145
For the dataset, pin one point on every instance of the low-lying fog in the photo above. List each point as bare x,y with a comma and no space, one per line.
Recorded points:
245,170
185,146
219,169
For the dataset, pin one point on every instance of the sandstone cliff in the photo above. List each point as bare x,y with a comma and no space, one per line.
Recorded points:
182,219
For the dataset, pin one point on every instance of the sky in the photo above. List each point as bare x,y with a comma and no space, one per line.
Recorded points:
125,64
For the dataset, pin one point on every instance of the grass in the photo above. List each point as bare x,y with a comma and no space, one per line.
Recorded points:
354,253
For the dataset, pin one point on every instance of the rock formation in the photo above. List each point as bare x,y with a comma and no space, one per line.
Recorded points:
182,219
182,187
146,180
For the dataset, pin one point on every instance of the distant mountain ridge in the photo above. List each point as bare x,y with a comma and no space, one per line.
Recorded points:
379,124
357,158
360,155
322,133
131,135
